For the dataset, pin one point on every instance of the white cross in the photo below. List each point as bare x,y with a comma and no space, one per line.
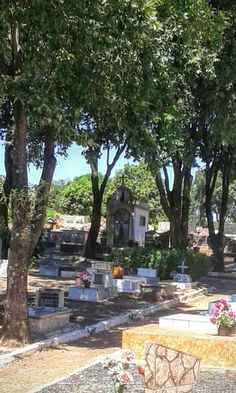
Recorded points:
182,267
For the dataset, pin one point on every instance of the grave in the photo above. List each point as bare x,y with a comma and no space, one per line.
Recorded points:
46,320
49,298
213,350
92,294
183,278
194,322
169,370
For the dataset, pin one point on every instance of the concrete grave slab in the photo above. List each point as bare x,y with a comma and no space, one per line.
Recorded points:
199,323
92,294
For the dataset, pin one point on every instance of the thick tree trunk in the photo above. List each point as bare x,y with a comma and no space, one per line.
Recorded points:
217,240
42,194
90,247
175,203
15,327
4,200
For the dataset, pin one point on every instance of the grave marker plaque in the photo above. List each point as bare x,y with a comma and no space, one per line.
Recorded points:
169,370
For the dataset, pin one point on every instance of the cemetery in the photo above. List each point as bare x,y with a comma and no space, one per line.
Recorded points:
117,197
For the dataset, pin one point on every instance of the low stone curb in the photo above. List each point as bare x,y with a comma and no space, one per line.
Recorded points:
97,328
231,275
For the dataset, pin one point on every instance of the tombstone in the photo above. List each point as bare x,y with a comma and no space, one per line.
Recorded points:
169,370
182,277
103,279
149,274
232,298
49,298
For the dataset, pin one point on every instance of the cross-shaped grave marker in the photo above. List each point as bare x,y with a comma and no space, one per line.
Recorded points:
182,267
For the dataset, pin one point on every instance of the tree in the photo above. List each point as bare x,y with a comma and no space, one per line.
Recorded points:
76,196
140,181
216,105
172,133
49,50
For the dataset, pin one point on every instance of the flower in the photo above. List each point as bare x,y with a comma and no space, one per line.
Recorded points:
223,314
85,276
121,370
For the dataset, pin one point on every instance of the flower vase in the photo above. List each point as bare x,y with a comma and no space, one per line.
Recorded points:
223,331
87,284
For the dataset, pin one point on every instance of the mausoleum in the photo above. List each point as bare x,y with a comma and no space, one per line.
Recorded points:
126,219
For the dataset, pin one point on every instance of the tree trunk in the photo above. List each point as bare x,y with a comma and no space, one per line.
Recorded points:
90,247
4,200
42,194
15,327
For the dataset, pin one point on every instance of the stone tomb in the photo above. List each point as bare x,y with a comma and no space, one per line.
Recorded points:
169,370
213,350
43,321
92,294
194,322
100,289
131,284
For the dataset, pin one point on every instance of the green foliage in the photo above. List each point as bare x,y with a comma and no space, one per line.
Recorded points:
76,196
50,213
165,261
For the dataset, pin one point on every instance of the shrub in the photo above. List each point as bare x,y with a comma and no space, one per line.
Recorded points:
165,261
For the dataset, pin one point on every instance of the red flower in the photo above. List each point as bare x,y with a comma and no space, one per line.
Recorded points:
141,369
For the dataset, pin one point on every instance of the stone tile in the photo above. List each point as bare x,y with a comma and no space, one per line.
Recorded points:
169,368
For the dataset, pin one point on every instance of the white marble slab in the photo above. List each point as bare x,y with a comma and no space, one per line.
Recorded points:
147,272
92,294
197,323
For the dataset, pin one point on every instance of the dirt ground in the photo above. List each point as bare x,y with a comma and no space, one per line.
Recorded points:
39,368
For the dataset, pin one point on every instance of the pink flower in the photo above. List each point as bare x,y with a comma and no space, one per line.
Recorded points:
213,320
216,313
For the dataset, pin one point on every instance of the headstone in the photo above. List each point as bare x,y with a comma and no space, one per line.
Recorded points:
182,267
103,279
49,298
169,370
149,274
101,266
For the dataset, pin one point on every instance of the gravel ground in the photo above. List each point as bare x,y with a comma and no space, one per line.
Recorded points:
97,379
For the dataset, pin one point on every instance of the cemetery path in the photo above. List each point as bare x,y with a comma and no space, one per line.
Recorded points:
39,368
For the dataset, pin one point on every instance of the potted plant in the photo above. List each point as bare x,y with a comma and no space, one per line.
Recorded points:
84,278
224,318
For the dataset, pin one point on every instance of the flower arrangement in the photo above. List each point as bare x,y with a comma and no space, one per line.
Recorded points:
85,276
223,316
120,370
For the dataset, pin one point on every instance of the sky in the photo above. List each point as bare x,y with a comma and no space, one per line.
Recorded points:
67,168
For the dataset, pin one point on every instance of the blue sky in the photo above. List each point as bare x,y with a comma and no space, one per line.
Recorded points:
67,168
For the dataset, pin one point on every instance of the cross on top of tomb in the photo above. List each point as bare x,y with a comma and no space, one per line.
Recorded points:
182,267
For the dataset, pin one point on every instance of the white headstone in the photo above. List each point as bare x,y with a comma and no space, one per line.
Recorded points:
147,272
232,298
